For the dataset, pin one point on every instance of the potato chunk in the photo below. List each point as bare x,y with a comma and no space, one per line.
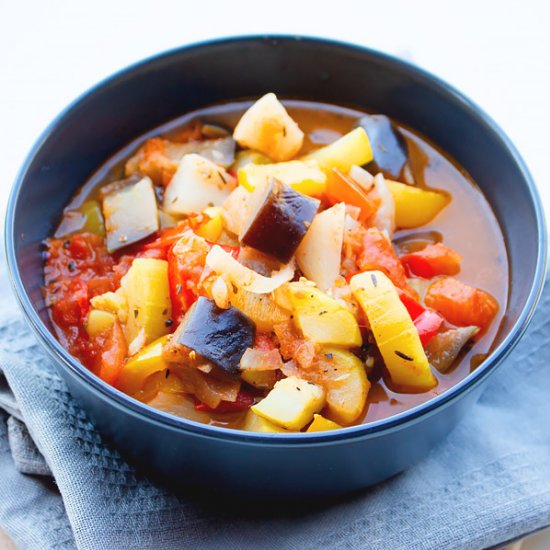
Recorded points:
292,403
256,423
197,184
268,128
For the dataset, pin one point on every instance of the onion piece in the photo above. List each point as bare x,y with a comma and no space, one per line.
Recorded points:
261,360
223,263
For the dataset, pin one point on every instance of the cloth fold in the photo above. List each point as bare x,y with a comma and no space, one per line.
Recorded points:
62,486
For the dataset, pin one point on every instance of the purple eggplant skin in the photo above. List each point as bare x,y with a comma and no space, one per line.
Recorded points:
220,336
389,148
280,221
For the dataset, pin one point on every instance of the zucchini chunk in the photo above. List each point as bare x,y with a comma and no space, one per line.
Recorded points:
394,331
220,336
145,287
130,214
279,218
292,403
321,319
322,424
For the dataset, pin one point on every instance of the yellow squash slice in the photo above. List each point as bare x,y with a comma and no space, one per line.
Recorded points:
394,331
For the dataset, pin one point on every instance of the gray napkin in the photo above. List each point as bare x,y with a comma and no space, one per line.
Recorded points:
61,486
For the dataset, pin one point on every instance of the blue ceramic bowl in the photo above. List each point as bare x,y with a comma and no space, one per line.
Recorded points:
147,94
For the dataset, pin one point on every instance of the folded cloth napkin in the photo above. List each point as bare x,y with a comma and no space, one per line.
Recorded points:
61,486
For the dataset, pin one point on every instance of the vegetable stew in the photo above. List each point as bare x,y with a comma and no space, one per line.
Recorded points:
278,267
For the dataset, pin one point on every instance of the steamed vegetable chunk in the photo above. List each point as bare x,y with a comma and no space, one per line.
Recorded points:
268,128
292,403
130,214
220,336
393,330
415,206
145,287
197,184
322,319
278,280
305,177
279,220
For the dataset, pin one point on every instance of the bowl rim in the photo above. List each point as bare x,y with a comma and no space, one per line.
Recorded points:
371,429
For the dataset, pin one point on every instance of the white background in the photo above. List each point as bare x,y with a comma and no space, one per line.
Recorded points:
497,52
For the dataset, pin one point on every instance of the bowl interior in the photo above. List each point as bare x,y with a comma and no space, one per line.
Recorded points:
151,93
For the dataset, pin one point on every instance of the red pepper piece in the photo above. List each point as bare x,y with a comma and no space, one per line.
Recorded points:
427,324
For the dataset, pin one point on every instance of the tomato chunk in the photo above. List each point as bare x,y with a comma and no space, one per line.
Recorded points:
377,253
460,304
113,355
434,259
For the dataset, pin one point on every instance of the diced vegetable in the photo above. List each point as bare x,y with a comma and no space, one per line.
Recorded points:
322,319
434,259
353,148
147,293
261,379
112,302
342,188
393,330
278,220
243,402
237,210
445,346
130,214
159,158
246,157
197,184
139,367
261,309
414,206
427,324
304,177
255,359
212,228
389,147
220,336
113,354
413,307
460,304
99,321
322,424
345,381
255,423
319,254
292,403
377,253
241,276
87,219
186,260
268,128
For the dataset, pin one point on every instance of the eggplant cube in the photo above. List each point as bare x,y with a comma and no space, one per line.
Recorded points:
220,336
130,214
279,219
389,147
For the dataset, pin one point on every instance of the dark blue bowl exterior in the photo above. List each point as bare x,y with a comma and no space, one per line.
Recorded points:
148,94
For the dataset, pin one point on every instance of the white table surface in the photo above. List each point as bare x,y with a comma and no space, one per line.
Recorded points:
497,52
